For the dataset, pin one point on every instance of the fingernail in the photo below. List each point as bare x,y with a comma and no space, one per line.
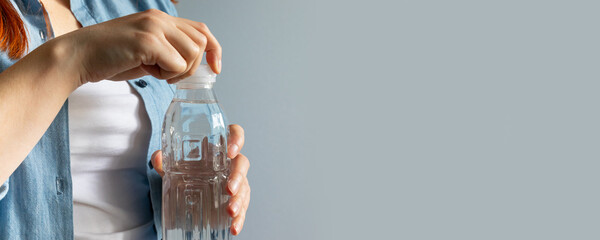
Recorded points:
233,149
234,184
219,65
235,206
237,227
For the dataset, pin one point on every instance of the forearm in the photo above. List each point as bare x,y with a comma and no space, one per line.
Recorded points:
32,91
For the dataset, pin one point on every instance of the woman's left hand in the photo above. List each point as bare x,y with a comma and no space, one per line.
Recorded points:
238,186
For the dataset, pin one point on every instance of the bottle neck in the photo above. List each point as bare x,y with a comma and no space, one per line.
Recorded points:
195,91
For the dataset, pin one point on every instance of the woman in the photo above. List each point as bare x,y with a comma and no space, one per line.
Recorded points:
86,168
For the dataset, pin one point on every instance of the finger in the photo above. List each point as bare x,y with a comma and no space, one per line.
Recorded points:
163,61
156,160
239,169
193,66
199,39
247,195
190,49
237,203
213,48
235,141
238,223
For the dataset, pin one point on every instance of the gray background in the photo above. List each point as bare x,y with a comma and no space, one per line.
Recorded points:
414,119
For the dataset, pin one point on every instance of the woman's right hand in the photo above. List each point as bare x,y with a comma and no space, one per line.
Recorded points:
146,43
33,90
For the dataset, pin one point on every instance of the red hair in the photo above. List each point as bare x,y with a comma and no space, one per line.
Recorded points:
12,31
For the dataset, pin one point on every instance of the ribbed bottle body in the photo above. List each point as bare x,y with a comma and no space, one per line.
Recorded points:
194,145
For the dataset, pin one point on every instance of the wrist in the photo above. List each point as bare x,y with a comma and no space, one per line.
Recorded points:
63,58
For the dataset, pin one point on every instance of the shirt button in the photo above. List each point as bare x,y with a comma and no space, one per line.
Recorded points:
141,83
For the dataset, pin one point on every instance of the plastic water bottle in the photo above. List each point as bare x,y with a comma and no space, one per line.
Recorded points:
194,146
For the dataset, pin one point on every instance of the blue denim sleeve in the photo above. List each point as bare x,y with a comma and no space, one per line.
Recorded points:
3,189
169,8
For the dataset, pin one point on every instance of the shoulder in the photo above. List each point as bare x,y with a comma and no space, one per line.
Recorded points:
109,9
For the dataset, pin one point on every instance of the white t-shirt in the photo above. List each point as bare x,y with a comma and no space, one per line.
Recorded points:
109,132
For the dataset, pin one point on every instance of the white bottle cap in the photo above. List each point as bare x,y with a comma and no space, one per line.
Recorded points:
202,75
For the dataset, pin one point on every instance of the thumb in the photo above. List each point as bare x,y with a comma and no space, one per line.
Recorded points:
156,160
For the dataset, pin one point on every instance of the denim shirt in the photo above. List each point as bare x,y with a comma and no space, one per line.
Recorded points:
36,201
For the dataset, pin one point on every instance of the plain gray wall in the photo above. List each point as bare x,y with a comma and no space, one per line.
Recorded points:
414,119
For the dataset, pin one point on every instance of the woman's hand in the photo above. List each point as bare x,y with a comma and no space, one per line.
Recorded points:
146,43
33,90
238,186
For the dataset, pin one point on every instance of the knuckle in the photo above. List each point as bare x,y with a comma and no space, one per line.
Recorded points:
236,198
242,160
235,127
155,12
202,40
202,26
149,23
195,51
245,159
220,52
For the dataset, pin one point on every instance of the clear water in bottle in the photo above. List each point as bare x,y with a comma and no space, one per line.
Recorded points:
194,144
